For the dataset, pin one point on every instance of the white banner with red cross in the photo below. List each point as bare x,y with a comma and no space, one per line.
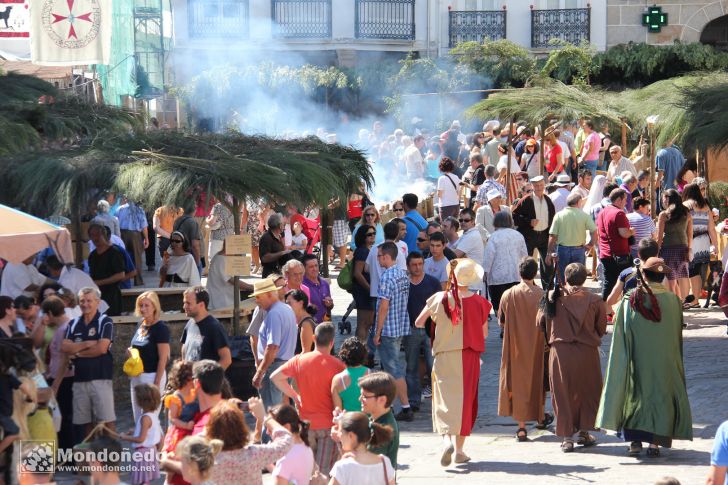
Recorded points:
70,32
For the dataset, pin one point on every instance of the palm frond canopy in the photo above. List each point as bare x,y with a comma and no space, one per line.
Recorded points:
706,104
545,100
679,105
32,111
64,182
169,165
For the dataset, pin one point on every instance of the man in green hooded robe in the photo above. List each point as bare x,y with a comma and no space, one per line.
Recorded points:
644,394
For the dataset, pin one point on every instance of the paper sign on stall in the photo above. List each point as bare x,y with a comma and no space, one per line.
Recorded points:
238,244
237,265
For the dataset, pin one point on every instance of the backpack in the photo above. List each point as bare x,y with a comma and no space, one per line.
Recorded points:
346,276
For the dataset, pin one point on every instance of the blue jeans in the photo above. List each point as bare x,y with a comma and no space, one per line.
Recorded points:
568,255
591,165
389,356
413,343
269,393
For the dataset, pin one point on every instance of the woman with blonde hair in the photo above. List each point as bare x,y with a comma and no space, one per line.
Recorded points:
151,340
197,457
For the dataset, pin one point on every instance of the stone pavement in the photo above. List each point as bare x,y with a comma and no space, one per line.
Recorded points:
498,459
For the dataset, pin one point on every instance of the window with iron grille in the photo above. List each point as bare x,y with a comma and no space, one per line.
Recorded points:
477,26
385,19
218,18
568,24
301,19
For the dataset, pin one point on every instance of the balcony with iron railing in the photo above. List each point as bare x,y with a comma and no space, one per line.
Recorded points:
571,25
477,26
301,19
218,19
384,19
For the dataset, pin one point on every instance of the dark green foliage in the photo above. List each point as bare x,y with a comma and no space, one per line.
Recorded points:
569,63
717,196
635,65
706,115
500,63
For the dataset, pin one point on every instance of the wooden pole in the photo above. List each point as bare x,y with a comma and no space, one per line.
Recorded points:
509,153
541,158
325,241
625,149
236,278
653,202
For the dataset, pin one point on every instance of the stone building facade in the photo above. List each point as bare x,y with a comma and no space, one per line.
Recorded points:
688,21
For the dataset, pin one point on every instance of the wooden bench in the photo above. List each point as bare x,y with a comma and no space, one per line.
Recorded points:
170,299
223,314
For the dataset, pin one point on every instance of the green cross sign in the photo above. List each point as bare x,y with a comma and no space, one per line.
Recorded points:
654,19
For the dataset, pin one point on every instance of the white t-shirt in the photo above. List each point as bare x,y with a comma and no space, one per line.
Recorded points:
74,279
471,243
448,184
503,162
534,168
299,239
558,197
375,270
348,472
17,277
437,269
565,151
220,291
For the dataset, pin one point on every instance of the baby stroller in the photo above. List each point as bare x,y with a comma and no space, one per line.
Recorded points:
312,231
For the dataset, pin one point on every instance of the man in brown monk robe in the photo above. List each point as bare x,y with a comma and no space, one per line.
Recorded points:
521,393
575,322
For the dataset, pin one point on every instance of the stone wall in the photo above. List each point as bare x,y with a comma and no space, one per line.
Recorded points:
686,20
123,332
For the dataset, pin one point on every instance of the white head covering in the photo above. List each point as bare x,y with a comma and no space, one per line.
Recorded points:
595,193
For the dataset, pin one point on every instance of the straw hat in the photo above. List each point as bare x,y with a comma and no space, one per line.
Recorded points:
467,272
563,180
493,194
267,285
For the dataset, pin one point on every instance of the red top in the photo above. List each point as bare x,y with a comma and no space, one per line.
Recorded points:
203,207
553,158
200,420
355,208
475,314
611,243
313,372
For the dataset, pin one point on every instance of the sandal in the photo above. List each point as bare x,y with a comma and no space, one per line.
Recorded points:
548,418
585,439
446,457
691,305
521,438
567,446
635,448
461,458
653,452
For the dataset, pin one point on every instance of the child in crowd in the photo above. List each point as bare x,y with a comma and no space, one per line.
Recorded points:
147,435
183,394
299,240
345,386
377,394
358,436
197,456
298,464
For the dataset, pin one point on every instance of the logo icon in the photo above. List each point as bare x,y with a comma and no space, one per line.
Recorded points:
37,456
71,24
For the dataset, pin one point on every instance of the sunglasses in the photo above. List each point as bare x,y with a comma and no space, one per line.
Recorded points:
464,220
369,214
398,210
173,241
419,239
371,234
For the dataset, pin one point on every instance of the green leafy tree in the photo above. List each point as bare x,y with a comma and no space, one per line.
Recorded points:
499,63
569,63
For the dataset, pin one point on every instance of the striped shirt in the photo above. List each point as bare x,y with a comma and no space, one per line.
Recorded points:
643,226
131,218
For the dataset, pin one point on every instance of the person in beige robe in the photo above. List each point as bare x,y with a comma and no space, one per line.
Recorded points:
521,392
575,321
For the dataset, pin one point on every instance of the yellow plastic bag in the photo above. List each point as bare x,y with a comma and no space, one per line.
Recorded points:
133,365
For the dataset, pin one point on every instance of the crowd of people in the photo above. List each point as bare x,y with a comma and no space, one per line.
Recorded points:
423,287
